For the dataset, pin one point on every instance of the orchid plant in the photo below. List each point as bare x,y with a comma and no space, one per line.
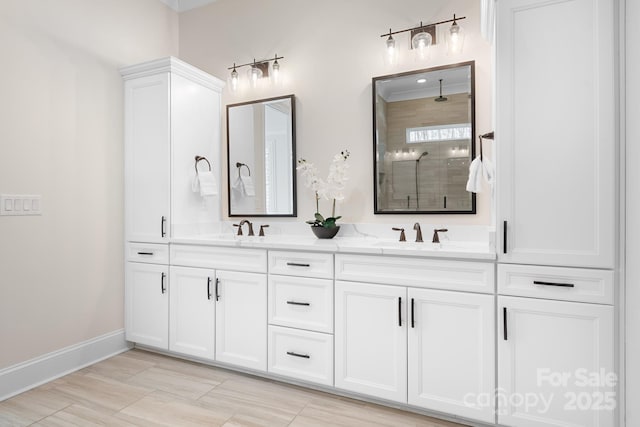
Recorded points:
331,188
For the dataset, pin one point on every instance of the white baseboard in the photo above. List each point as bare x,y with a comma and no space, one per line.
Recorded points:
32,373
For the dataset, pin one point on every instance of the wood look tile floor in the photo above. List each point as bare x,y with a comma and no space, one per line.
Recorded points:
140,388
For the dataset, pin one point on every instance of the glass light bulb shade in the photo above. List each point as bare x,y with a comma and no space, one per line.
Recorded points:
391,45
234,79
421,40
455,40
391,52
255,74
275,72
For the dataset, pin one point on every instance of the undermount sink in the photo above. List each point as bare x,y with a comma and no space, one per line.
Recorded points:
428,246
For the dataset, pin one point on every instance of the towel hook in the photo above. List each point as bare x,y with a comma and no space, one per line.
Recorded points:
198,158
240,165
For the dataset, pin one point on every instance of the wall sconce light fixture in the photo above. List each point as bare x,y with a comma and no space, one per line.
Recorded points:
257,70
423,36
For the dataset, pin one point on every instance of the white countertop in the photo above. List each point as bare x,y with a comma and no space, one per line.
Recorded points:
355,245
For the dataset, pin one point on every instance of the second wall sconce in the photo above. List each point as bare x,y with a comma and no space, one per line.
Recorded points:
257,70
423,36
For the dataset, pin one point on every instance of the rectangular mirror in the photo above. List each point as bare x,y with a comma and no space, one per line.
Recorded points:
423,133
261,141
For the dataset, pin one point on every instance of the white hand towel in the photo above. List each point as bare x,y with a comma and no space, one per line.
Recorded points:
474,183
488,171
237,188
249,188
195,184
208,184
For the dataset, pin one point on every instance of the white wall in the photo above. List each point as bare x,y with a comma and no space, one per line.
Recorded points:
633,213
331,51
61,274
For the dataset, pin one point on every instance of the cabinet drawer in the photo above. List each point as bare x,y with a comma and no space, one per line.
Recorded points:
303,355
417,272
307,264
223,258
153,253
569,284
301,302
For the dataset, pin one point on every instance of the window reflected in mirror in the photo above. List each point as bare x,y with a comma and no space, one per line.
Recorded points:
424,128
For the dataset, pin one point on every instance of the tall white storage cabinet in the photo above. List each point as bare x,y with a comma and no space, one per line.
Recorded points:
556,132
556,143
172,115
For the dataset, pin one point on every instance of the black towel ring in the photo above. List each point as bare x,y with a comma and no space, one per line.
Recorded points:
489,135
198,158
240,165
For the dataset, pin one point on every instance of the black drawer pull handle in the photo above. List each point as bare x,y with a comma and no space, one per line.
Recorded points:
162,222
413,315
297,264
163,288
145,253
504,237
561,285
504,323
208,288
400,311
304,356
217,286
298,303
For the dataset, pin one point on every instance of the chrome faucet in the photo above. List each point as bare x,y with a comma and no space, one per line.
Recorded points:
243,222
416,227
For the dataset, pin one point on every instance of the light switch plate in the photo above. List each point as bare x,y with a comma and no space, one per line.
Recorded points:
20,204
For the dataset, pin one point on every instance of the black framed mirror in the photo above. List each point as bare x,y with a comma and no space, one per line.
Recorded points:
423,133
261,152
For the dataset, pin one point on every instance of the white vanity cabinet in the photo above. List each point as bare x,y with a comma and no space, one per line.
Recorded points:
300,310
556,132
147,303
371,340
228,293
451,352
172,114
431,348
555,346
241,319
555,363
192,311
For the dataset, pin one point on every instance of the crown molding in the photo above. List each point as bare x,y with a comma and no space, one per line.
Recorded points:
172,65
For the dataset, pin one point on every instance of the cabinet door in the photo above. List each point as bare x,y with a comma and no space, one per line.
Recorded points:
556,132
147,158
371,340
451,352
192,311
555,363
241,319
195,130
147,304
